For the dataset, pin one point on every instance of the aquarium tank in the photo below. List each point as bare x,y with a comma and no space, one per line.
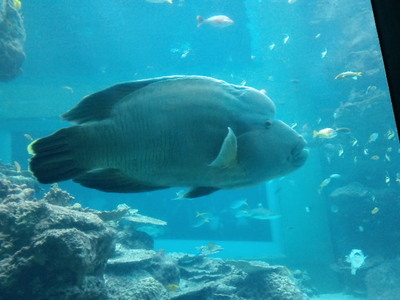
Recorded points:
195,150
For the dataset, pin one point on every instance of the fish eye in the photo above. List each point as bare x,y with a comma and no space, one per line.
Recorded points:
268,124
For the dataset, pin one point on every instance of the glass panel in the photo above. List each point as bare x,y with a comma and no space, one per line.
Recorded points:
331,222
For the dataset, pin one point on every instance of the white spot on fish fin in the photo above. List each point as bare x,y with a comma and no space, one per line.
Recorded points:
228,152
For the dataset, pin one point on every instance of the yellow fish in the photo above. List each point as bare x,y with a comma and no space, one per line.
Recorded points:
349,74
172,287
17,4
326,133
375,210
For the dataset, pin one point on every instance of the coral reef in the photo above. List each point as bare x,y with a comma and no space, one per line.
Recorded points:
15,185
57,253
57,196
12,38
49,250
184,277
383,281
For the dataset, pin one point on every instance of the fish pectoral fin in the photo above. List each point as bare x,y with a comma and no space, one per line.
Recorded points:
113,181
199,191
228,153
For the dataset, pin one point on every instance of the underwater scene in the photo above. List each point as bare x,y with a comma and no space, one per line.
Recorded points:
196,150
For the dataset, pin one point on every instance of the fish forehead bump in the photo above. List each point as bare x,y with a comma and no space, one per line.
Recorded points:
256,100
199,86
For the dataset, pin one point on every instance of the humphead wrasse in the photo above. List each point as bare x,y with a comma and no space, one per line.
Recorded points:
153,134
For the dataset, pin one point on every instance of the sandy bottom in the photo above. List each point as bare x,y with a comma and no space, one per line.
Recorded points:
336,297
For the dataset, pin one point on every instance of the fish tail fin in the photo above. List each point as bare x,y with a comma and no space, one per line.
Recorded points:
55,156
315,134
200,21
359,73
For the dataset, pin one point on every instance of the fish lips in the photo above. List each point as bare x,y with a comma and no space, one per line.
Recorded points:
299,154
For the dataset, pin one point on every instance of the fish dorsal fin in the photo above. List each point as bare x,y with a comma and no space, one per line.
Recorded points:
98,106
228,153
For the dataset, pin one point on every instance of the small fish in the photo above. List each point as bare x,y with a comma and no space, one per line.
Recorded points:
390,134
200,222
68,88
324,53
293,126
335,176
239,203
340,151
286,38
172,287
360,228
354,142
261,213
200,214
317,36
307,209
375,157
355,159
272,46
17,4
179,195
357,259
243,83
326,133
160,1
387,179
220,21
349,74
373,137
209,249
28,136
185,53
18,167
370,88
375,210
366,151
325,182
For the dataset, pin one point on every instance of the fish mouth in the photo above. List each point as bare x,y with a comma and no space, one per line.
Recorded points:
299,154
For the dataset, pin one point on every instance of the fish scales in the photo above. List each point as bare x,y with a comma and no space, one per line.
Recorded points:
171,131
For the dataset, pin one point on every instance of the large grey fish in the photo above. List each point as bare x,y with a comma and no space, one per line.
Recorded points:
188,131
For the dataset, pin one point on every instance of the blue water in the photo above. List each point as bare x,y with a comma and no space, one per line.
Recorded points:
75,48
